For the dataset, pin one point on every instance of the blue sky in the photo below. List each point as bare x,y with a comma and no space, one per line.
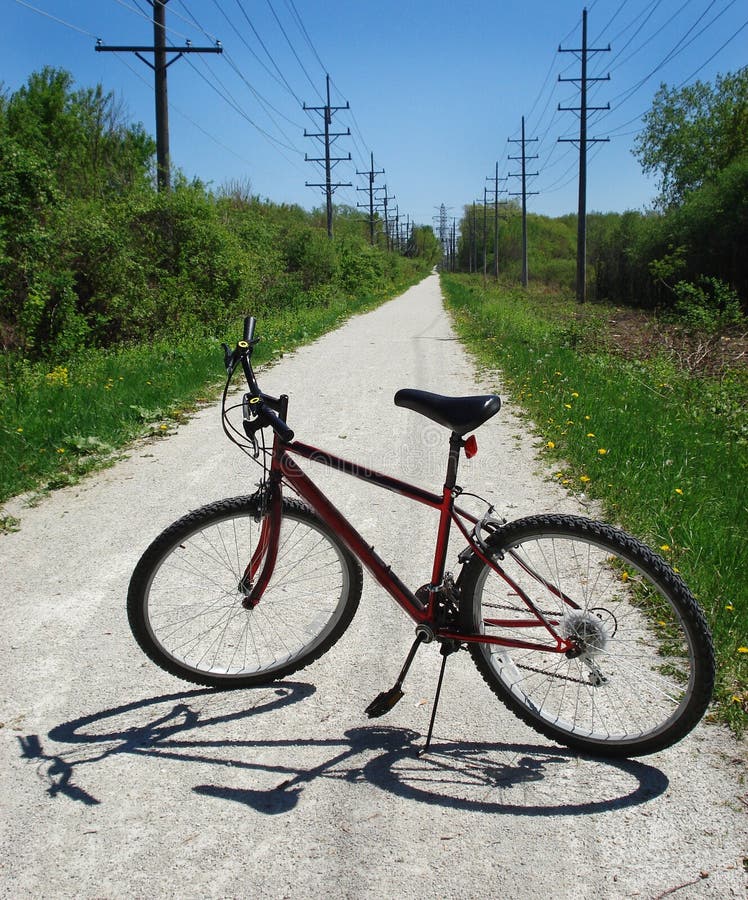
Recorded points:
435,88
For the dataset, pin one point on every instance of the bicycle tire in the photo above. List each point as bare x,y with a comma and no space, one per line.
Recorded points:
645,675
185,607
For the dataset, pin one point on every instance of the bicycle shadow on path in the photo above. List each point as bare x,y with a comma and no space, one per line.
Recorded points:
500,777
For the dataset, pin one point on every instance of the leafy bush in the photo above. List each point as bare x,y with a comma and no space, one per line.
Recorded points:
707,306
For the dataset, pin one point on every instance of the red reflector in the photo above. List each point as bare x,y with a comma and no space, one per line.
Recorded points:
471,447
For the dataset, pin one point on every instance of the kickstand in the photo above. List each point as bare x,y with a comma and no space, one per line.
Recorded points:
384,702
445,652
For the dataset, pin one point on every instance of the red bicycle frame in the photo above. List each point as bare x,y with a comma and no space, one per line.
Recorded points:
285,469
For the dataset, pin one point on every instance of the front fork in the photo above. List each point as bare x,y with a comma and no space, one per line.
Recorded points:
261,566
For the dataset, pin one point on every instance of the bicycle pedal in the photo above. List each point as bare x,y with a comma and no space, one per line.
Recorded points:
383,703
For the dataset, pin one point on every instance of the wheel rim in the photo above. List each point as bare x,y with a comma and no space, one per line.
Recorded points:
635,673
194,610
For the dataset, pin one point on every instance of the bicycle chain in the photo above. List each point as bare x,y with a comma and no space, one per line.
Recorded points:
551,674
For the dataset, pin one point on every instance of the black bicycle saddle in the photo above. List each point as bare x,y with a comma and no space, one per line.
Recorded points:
459,414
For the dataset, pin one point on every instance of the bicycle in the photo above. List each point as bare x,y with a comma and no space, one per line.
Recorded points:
581,630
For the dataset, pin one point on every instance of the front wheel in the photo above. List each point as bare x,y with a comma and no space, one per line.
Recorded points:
642,673
185,601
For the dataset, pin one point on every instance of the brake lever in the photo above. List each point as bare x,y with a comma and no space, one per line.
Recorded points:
229,361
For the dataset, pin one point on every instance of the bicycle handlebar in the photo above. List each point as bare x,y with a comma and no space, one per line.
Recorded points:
271,417
263,406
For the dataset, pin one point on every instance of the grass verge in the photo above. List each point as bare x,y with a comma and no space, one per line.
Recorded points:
55,426
665,451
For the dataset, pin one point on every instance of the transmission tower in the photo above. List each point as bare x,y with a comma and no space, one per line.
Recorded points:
441,222
583,141
329,161
159,66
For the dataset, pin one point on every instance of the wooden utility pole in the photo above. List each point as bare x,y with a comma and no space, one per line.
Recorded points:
524,193
159,65
371,173
496,192
583,141
328,160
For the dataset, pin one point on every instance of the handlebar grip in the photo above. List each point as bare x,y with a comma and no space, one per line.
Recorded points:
283,431
249,328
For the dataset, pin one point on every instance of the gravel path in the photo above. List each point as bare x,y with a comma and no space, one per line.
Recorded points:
120,781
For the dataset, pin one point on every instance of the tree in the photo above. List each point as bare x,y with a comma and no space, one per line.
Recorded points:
80,135
693,133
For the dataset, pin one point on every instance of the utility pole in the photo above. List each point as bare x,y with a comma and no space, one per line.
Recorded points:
159,66
583,141
371,173
329,161
485,233
524,174
385,198
496,193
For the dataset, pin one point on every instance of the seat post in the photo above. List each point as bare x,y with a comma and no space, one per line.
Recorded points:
445,519
455,445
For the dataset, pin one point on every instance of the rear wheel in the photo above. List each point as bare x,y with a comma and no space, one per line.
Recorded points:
185,604
643,672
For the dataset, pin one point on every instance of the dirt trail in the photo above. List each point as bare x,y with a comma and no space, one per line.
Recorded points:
119,781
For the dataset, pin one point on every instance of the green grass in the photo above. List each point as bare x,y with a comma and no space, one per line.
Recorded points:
665,452
57,424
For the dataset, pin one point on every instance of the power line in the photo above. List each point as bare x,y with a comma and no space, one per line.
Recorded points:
716,52
151,19
293,50
47,15
292,6
269,54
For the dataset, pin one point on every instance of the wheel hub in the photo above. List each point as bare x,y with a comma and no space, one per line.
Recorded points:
587,630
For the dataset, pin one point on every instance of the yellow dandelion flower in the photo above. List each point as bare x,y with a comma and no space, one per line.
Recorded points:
665,547
679,491
584,478
60,449
590,434
550,445
742,649
163,427
729,607
19,430
574,394
736,698
587,418
625,576
602,451
567,405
